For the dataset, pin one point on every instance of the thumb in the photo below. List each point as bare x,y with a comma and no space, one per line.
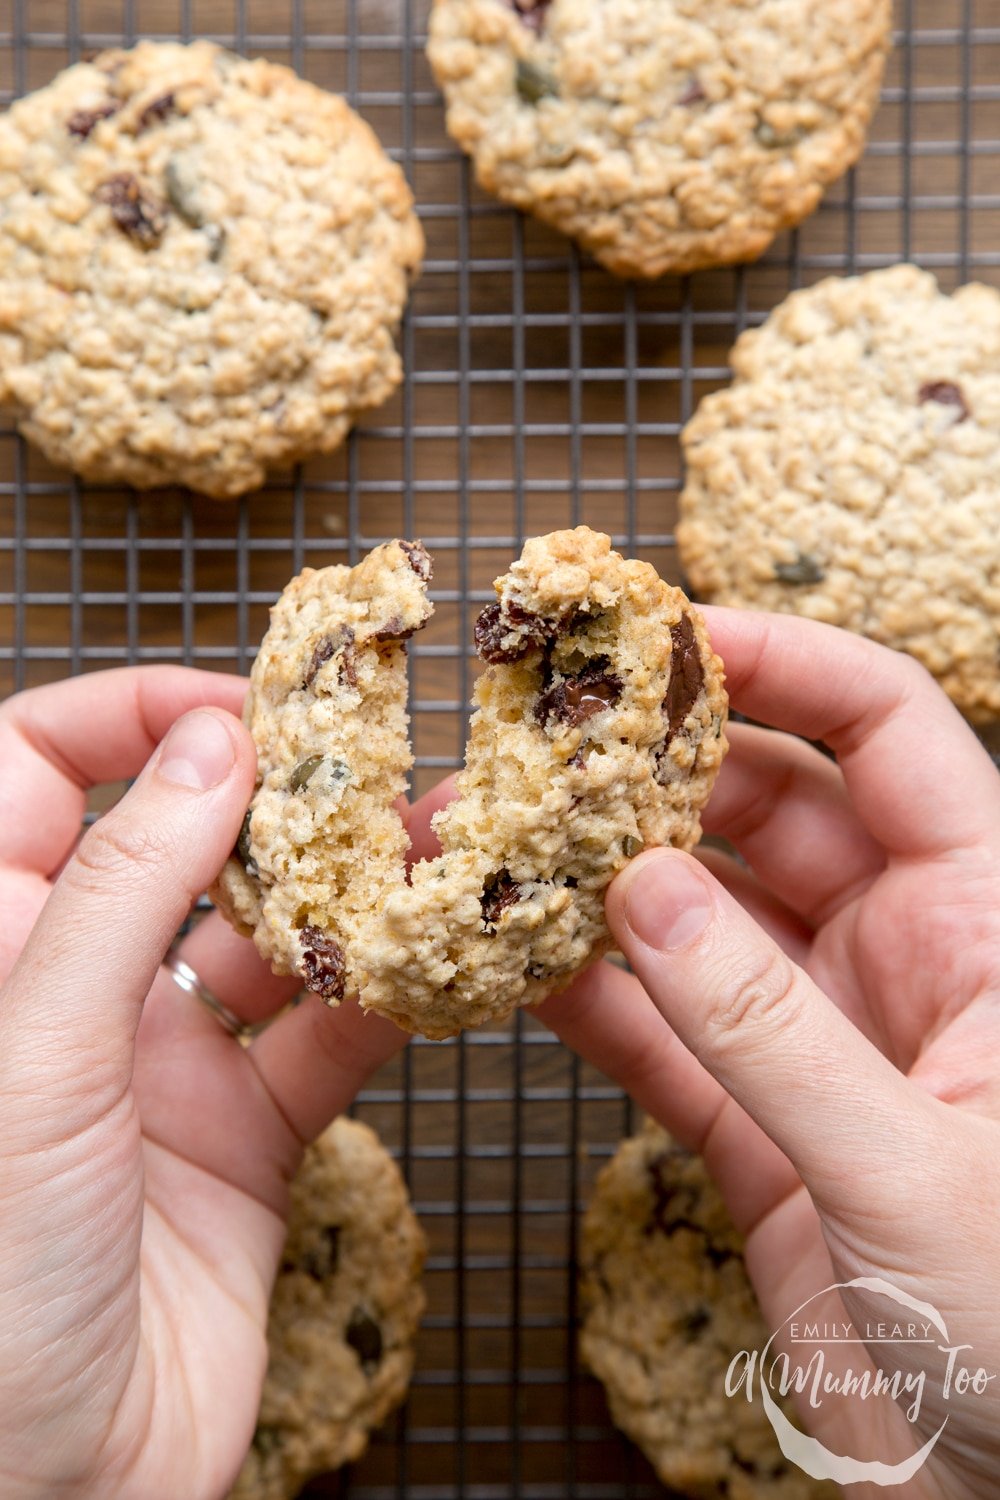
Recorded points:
72,1003
760,1025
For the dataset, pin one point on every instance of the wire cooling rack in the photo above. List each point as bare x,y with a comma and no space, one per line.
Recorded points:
541,392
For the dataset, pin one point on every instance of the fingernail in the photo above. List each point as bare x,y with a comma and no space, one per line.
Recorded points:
197,752
667,905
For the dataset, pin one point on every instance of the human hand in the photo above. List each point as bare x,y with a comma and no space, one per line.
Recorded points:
144,1154
824,1025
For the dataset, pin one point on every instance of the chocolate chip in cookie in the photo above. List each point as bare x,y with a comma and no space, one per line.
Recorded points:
499,893
686,676
320,1260
365,1337
419,559
572,700
506,632
946,393
326,648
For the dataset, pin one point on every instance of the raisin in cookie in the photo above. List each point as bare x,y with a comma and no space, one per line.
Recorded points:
203,260
322,843
664,135
344,1314
599,730
667,1305
850,472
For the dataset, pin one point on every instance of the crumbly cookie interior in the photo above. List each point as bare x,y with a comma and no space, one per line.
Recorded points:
598,731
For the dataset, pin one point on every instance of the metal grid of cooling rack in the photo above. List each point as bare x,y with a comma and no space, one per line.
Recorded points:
540,392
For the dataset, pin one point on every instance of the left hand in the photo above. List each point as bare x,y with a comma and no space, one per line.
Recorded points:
144,1154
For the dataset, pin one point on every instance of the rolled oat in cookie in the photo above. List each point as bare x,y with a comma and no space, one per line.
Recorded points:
598,731
666,1306
203,262
849,473
322,843
343,1318
664,135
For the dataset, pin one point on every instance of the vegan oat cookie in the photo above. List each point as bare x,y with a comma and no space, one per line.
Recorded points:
850,473
666,1306
203,261
664,135
344,1314
598,731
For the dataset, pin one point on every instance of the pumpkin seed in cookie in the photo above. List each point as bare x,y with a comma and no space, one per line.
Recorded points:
534,83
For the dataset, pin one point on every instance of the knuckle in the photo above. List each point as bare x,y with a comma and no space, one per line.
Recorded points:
112,852
766,995
911,679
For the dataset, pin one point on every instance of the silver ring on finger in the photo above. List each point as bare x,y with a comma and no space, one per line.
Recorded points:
187,980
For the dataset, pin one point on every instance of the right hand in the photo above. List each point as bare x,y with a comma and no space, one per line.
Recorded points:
824,1026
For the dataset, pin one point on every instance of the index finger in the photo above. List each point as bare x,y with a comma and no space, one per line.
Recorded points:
918,777
58,741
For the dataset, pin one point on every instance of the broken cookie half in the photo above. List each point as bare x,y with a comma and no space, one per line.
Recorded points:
598,732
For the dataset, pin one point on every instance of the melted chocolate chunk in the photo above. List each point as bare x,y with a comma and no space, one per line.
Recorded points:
349,662
137,214
82,121
946,393
499,892
576,699
323,965
579,622
419,559
321,655
365,1337
686,676
343,641
498,623
531,12
394,630
155,111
